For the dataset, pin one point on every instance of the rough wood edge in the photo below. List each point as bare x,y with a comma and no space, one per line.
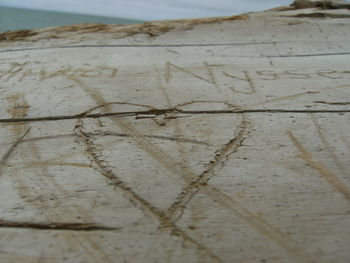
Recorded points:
150,28
154,28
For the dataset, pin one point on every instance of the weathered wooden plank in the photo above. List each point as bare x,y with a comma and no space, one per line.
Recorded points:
213,140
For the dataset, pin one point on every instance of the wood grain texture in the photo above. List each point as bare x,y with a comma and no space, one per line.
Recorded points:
208,140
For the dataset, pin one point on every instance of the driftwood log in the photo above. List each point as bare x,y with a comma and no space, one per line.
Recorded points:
207,140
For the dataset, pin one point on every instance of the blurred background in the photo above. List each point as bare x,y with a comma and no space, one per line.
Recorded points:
29,14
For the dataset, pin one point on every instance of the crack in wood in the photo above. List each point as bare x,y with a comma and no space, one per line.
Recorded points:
160,112
21,165
143,46
55,226
309,55
333,102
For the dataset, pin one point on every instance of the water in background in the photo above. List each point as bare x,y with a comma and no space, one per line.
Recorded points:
17,19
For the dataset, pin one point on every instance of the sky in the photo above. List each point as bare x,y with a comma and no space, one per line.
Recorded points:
149,9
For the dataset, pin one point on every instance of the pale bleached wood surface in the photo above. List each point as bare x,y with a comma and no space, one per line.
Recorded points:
213,140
